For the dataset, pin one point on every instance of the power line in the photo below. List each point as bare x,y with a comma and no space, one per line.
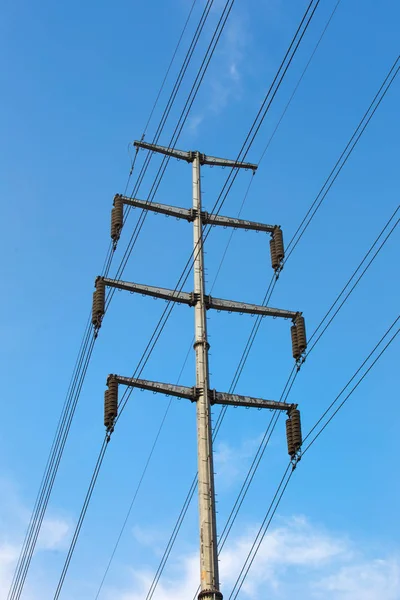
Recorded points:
289,384
73,393
139,485
292,376
82,516
216,38
283,484
343,158
242,154
348,383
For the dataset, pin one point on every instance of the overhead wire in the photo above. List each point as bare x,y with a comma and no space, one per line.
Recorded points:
141,478
290,467
381,98
216,37
256,125
253,137
62,429
242,154
343,158
290,381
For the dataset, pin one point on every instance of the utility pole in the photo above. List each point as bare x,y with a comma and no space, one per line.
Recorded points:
202,394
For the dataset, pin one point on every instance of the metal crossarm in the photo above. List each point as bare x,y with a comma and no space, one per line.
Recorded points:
149,290
183,155
165,209
213,161
248,401
211,219
244,307
158,387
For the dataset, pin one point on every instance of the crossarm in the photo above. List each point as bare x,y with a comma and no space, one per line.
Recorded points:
149,290
165,209
236,223
235,400
158,387
243,307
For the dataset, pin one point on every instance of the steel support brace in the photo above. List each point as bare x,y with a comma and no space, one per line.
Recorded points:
158,387
211,219
149,290
165,209
248,401
253,309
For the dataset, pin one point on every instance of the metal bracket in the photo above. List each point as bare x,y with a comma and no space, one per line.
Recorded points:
213,161
165,209
158,387
243,307
248,401
149,290
211,219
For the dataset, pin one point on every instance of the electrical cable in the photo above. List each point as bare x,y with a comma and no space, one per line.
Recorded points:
290,381
207,63
82,516
292,376
347,385
351,144
265,524
39,509
190,494
169,67
261,534
142,476
362,129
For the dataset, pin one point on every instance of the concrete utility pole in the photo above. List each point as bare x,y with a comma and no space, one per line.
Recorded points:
208,526
201,393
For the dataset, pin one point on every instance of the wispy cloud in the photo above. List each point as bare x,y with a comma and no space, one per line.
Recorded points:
231,462
225,82
54,534
297,559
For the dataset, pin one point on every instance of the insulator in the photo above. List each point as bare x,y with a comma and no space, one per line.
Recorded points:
301,333
289,437
110,403
117,218
98,302
278,239
296,428
295,345
274,258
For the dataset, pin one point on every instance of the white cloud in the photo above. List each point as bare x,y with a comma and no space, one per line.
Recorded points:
297,559
231,462
225,82
53,534
377,579
16,515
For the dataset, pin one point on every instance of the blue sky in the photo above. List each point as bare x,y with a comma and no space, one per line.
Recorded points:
78,84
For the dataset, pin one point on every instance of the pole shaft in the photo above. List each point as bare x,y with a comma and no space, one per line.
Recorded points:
209,577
